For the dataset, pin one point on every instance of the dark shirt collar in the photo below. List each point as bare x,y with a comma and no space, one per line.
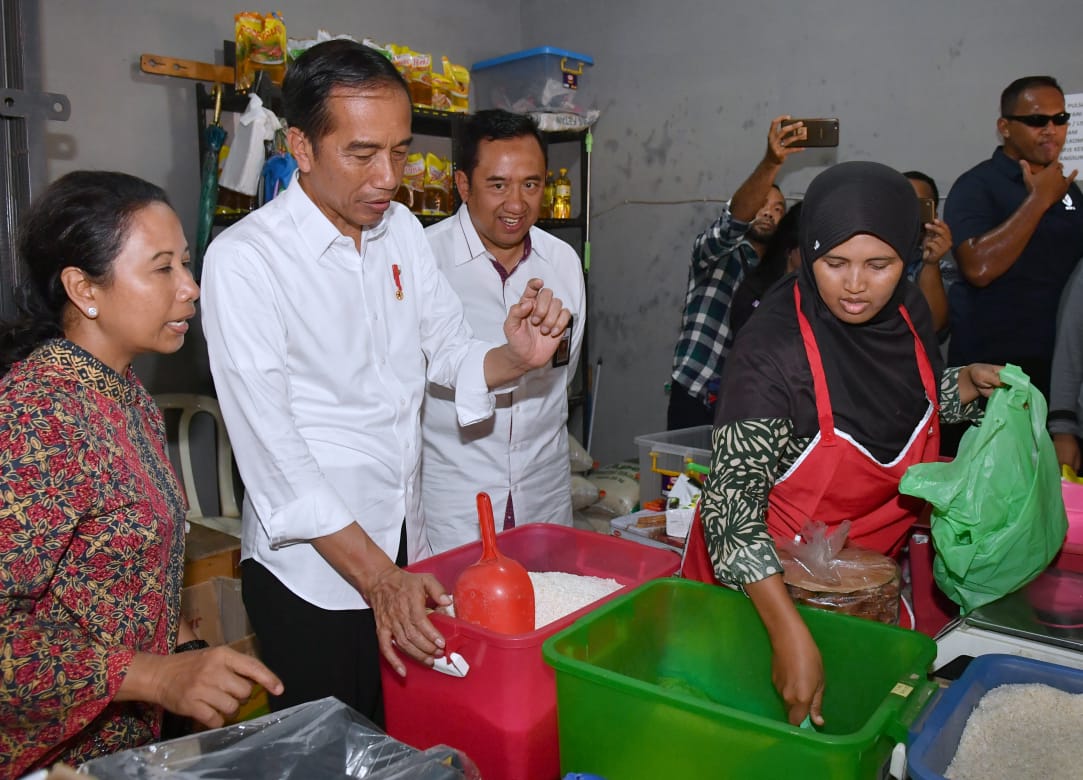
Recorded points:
504,273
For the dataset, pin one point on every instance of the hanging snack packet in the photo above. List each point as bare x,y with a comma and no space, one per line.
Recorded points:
419,78
245,26
441,92
413,178
261,45
437,180
459,77
401,57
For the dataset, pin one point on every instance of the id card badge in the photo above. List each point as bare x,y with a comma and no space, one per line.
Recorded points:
564,349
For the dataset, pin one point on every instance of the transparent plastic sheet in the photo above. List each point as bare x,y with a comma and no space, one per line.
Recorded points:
821,572
313,741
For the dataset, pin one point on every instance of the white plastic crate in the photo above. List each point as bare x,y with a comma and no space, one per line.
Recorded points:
662,456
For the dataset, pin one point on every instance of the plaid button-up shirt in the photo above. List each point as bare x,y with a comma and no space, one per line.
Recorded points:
720,259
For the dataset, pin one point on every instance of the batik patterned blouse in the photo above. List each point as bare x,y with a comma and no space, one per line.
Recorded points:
91,556
748,457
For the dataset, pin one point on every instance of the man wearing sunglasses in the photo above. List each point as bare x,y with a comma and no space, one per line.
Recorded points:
1017,219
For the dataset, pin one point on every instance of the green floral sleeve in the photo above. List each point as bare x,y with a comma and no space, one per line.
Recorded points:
745,463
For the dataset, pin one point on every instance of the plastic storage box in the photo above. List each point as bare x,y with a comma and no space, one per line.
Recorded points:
674,680
664,455
503,713
544,79
935,737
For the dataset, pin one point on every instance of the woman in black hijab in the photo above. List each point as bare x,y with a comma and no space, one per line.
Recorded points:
831,392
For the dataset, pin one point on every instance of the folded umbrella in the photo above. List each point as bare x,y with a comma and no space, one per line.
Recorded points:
214,136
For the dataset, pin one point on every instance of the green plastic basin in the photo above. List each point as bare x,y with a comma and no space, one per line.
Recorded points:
673,680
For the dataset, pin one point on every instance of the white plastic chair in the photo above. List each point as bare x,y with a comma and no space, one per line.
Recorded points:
191,405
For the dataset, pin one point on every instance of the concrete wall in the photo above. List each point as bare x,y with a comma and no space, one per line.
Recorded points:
145,124
688,88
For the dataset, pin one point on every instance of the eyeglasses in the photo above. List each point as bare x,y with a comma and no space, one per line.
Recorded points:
1041,120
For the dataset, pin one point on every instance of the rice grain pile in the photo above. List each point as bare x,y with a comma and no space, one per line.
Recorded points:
1018,731
558,593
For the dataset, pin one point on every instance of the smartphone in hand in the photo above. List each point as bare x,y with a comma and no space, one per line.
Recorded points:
928,210
821,132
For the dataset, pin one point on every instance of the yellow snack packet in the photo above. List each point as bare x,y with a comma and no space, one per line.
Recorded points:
437,185
459,76
441,92
261,45
413,179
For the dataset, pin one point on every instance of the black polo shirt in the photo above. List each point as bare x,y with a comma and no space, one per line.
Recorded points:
1012,320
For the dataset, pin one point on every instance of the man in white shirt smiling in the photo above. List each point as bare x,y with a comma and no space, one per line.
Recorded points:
325,315
488,251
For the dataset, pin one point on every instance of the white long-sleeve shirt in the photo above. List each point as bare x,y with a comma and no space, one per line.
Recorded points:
320,371
523,447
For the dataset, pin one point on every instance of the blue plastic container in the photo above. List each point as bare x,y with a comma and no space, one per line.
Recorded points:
544,79
935,737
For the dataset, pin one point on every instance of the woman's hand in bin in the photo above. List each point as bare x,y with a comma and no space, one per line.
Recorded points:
798,674
398,599
797,669
208,685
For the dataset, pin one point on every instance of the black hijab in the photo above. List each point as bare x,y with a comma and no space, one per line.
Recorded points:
872,376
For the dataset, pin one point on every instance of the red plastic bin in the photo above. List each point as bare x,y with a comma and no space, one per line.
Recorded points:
503,713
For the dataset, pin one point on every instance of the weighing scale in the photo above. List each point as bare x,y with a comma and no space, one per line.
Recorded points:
1042,620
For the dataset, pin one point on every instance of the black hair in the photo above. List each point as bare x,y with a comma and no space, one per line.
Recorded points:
1010,96
81,220
919,176
312,77
493,125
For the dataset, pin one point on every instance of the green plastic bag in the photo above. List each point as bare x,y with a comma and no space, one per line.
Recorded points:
998,513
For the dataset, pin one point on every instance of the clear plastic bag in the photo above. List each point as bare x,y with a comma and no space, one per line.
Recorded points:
319,740
822,572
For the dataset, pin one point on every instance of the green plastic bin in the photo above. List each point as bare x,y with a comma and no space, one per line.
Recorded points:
674,680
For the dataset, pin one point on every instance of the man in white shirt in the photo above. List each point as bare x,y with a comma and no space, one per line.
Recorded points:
325,316
488,250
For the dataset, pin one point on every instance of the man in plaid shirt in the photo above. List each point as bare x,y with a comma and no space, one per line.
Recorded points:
721,256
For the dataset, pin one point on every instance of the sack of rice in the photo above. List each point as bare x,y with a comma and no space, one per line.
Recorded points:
619,485
584,492
578,456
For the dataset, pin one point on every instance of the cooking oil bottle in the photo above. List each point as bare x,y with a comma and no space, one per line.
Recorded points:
548,193
562,196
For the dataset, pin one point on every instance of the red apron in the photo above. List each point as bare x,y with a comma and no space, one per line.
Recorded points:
835,479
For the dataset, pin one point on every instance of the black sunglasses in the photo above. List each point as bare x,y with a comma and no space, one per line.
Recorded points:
1041,120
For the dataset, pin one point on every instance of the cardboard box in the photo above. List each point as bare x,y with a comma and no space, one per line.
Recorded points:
215,611
209,553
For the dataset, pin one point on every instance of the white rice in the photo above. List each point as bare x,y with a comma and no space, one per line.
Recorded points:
1020,731
558,593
